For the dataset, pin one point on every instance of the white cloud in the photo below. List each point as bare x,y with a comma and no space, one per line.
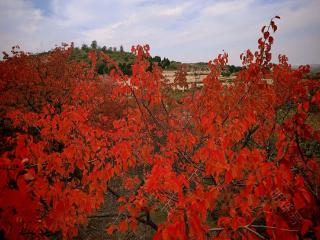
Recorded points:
22,12
226,7
190,30
171,11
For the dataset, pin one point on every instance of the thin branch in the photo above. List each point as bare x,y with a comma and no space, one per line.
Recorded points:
216,229
247,227
249,134
103,216
272,227
139,219
254,232
148,222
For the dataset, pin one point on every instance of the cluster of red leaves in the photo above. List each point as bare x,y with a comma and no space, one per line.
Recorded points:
180,77
54,119
209,161
213,158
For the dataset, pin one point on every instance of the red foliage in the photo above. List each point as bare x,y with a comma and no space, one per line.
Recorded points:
54,144
225,161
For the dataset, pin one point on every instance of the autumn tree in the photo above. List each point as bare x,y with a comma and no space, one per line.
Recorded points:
54,119
180,77
227,161
221,162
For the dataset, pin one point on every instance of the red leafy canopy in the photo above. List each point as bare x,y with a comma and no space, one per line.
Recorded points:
228,160
53,167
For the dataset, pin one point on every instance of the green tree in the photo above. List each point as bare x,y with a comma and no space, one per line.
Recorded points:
94,44
101,67
156,59
165,63
84,47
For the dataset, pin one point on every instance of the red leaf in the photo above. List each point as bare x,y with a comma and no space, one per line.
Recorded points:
266,35
306,195
28,177
305,106
224,220
260,190
306,224
93,57
277,17
133,225
123,226
268,57
263,28
274,27
228,177
235,223
110,230
298,201
270,40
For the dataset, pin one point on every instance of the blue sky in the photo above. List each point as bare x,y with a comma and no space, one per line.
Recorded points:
183,30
